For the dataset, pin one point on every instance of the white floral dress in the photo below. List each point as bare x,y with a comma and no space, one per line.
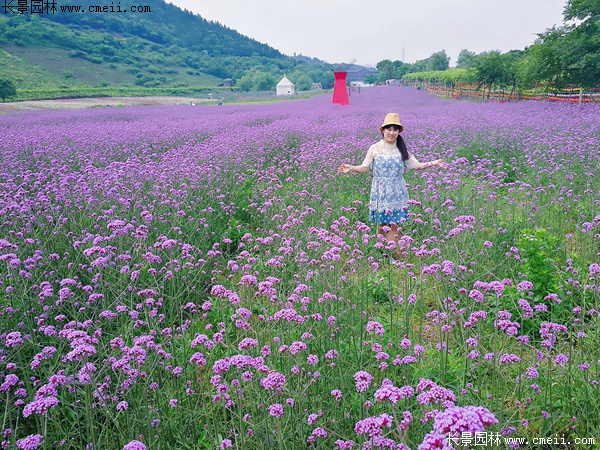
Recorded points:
389,197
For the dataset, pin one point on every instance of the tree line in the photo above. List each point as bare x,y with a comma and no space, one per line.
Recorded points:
563,56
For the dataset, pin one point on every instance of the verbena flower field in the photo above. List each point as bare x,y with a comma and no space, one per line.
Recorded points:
199,277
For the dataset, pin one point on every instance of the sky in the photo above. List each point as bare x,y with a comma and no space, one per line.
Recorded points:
338,31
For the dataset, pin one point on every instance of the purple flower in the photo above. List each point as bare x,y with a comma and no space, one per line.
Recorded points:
297,346
276,410
435,441
134,445
337,394
273,381
432,393
418,350
9,381
561,359
373,426
13,339
525,286
343,445
198,359
473,354
457,420
363,380
508,358
532,372
375,327
332,354
31,442
476,295
122,406
40,406
319,432
247,343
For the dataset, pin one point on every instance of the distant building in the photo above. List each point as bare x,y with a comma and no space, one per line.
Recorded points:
316,87
226,82
285,87
358,73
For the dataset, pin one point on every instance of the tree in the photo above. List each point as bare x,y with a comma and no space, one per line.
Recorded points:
401,68
303,82
568,55
543,60
490,69
370,79
582,43
510,62
466,59
326,79
386,70
438,61
582,10
7,89
264,81
582,55
245,83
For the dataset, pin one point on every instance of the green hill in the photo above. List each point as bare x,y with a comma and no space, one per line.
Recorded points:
163,50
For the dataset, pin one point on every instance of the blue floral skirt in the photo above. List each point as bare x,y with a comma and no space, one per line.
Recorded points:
388,217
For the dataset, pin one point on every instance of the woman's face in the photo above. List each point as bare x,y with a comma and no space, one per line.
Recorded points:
390,134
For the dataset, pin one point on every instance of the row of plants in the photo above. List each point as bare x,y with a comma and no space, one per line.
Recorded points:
462,84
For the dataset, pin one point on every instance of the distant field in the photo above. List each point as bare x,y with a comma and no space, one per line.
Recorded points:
95,102
99,102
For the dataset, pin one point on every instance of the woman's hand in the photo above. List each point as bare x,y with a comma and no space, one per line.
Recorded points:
344,168
438,162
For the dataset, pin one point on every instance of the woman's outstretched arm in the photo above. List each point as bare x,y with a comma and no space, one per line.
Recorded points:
347,168
416,165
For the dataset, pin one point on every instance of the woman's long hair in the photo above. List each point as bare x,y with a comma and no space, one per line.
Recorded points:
402,147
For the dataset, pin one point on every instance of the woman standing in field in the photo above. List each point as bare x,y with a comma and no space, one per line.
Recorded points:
388,158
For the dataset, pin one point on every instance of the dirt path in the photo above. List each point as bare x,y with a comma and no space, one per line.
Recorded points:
98,102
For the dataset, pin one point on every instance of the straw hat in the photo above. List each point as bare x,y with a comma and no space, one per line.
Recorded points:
391,119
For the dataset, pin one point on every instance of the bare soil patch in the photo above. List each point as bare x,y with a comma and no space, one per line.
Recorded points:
99,102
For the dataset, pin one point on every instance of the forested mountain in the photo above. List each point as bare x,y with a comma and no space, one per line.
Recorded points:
163,46
164,24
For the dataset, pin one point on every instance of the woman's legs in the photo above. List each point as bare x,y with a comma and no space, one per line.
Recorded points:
395,234
392,233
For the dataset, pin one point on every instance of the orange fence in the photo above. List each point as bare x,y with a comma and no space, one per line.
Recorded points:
472,93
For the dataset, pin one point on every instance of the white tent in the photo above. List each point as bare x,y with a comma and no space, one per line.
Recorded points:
285,87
